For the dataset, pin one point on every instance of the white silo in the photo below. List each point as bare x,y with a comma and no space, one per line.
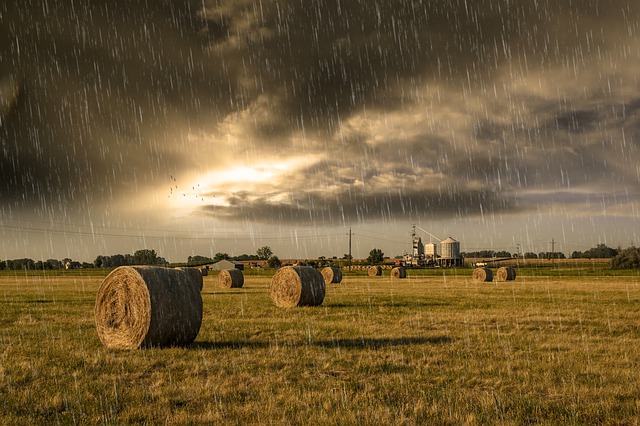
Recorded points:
430,251
450,252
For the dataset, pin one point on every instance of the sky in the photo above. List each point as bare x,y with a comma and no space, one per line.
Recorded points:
221,126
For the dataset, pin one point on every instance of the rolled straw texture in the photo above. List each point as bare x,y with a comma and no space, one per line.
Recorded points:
231,278
398,272
375,271
194,273
506,273
482,275
297,286
332,275
147,306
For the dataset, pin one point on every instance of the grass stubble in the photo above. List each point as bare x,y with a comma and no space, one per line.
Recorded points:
430,349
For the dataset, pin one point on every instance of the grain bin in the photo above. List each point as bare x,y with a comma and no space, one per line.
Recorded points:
450,253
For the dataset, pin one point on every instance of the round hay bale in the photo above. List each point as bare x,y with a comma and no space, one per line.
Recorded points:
231,278
194,273
398,272
375,271
297,286
147,306
481,275
332,275
506,273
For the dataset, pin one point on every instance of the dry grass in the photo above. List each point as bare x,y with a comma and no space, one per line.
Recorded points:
424,350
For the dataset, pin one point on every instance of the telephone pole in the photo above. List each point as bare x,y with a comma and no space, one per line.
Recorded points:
350,234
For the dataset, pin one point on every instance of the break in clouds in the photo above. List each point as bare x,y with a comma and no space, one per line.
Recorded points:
317,111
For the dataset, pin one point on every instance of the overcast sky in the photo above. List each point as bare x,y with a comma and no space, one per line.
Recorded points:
198,127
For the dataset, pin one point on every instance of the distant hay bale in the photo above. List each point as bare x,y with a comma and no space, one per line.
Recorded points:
297,286
194,273
148,306
482,275
375,271
398,272
332,275
506,273
230,278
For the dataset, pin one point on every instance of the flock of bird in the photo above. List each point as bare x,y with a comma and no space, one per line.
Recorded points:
174,186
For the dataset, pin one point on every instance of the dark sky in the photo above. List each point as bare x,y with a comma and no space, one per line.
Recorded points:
221,126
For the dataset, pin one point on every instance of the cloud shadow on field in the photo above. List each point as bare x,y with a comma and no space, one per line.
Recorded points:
356,343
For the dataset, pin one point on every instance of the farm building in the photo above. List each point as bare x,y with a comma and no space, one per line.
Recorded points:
225,264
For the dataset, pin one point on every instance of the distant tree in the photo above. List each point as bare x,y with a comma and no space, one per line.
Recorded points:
199,260
628,258
99,262
375,256
576,255
601,251
502,254
55,264
274,262
346,256
530,255
145,257
485,254
221,256
117,260
264,253
246,257
551,255
21,264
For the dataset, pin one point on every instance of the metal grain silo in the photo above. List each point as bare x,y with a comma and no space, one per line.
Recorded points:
450,252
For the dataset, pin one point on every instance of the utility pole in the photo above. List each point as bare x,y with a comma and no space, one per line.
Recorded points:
350,234
553,246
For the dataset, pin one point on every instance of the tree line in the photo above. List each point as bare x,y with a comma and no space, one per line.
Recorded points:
139,257
620,259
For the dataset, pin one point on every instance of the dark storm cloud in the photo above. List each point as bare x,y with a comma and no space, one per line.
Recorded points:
419,107
102,90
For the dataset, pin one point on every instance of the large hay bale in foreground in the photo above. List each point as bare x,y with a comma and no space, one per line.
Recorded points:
398,272
375,271
148,306
481,275
506,273
231,278
332,275
194,273
297,286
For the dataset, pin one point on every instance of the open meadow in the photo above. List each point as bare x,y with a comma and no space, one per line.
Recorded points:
551,347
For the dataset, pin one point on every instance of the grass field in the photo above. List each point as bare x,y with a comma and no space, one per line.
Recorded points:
435,348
